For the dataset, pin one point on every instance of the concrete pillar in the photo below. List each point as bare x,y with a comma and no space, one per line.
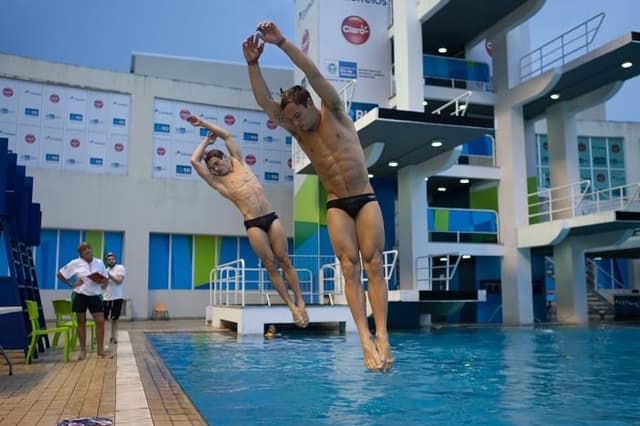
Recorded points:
407,48
571,288
517,298
412,223
136,247
563,158
570,272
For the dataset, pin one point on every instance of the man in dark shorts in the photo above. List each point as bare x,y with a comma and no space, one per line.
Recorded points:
87,276
114,295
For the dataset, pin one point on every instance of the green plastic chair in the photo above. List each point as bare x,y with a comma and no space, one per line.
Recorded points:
36,331
65,317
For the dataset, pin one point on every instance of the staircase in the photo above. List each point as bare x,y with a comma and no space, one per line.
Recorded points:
597,305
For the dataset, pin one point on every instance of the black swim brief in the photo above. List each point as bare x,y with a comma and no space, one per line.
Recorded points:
262,222
351,205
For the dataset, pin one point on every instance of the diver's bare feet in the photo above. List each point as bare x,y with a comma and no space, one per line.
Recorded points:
305,315
299,316
371,357
384,352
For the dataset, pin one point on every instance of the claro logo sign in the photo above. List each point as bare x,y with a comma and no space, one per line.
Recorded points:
355,30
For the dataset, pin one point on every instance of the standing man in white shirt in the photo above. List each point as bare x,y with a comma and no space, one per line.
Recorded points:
89,276
114,295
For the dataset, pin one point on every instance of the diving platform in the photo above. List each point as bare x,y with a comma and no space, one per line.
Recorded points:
252,319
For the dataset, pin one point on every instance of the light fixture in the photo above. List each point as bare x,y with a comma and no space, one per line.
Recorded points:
442,189
436,143
626,64
597,258
462,107
464,180
442,50
426,179
425,103
555,96
466,256
443,259
392,164
370,175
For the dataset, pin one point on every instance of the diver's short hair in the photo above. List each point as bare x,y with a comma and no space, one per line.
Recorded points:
213,153
297,95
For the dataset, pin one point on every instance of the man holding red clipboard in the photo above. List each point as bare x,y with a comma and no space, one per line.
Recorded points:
90,276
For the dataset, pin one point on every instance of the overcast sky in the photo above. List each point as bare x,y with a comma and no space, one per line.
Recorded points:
103,34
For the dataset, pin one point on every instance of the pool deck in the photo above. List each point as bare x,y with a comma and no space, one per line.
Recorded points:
131,386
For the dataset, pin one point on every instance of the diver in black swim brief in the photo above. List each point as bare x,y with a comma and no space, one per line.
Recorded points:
351,205
262,222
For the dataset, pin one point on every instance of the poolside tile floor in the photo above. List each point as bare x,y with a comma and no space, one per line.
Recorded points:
132,386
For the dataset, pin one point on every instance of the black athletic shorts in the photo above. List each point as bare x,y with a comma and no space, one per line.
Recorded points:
82,302
113,308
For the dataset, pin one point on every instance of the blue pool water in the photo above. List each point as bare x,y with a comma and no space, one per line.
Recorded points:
496,376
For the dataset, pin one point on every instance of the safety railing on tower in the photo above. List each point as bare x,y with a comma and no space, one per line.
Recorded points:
566,47
458,105
435,272
576,199
332,284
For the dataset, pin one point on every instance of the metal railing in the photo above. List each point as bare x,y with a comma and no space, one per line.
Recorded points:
459,104
332,283
570,45
226,280
622,197
576,199
563,201
440,274
603,279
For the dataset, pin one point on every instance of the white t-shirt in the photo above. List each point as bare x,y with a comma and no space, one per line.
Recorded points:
80,268
115,290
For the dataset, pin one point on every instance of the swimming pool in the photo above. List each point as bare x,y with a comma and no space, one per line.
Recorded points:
454,375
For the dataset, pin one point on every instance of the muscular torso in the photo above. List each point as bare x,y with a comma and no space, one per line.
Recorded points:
335,152
242,188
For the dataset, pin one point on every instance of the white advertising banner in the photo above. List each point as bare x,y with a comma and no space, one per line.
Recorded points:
55,106
28,148
65,128
352,45
264,146
74,150
97,111
348,41
117,154
9,101
77,107
51,148
97,152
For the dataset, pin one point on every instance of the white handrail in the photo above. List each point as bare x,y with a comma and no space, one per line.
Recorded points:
570,198
347,96
446,272
580,202
560,48
459,110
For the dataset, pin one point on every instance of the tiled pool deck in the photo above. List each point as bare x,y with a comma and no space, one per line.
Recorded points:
131,386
